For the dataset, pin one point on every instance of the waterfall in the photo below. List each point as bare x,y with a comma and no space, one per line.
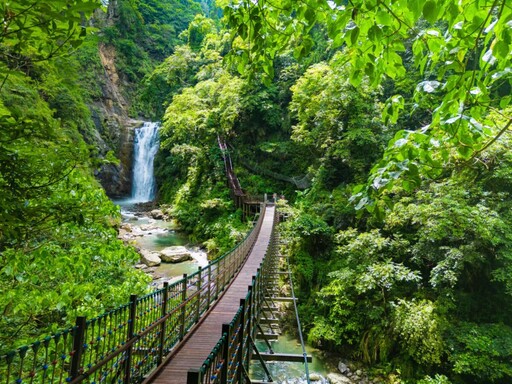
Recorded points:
145,147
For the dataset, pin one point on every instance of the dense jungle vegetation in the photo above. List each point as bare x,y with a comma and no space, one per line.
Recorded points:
394,116
60,256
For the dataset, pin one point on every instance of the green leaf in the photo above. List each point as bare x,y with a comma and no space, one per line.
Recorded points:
354,35
310,15
501,50
362,203
384,18
415,7
298,52
505,101
430,11
375,33
464,151
269,69
356,76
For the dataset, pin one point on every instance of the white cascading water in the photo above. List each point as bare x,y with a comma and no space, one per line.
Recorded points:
145,147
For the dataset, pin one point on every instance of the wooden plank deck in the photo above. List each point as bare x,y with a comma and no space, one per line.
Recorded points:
197,347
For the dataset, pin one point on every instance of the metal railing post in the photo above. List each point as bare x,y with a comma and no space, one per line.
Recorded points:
165,299
199,288
230,268
236,259
231,264
78,346
183,315
240,354
250,322
226,329
209,285
217,278
129,334
257,296
223,273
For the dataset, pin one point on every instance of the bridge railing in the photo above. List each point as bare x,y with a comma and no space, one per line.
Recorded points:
229,360
125,345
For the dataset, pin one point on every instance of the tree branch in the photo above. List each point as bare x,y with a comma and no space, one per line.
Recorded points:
493,140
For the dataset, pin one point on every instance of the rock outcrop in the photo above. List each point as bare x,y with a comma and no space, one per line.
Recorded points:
338,378
175,254
157,214
109,110
151,259
115,127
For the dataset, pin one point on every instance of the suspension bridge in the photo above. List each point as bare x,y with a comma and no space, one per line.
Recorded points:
201,329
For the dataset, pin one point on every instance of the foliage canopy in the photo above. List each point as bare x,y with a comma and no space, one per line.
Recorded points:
59,252
461,49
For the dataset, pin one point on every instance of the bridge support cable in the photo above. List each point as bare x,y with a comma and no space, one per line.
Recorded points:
262,361
299,327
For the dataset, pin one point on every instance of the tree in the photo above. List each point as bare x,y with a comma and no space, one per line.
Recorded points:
39,30
185,67
336,122
454,235
59,255
190,166
462,50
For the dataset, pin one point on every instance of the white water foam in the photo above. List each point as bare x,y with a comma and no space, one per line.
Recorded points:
145,147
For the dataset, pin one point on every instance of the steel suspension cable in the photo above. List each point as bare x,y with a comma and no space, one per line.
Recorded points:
304,353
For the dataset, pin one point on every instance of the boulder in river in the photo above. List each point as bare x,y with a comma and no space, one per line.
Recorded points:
338,378
315,377
157,214
150,227
343,368
151,259
126,226
175,254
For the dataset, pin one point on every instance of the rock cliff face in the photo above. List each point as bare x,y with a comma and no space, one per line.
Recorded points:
110,114
117,126
116,178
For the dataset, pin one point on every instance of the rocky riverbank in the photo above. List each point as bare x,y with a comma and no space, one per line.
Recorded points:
146,230
350,373
347,372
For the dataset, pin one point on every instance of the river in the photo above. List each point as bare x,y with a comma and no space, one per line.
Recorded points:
154,235
288,372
